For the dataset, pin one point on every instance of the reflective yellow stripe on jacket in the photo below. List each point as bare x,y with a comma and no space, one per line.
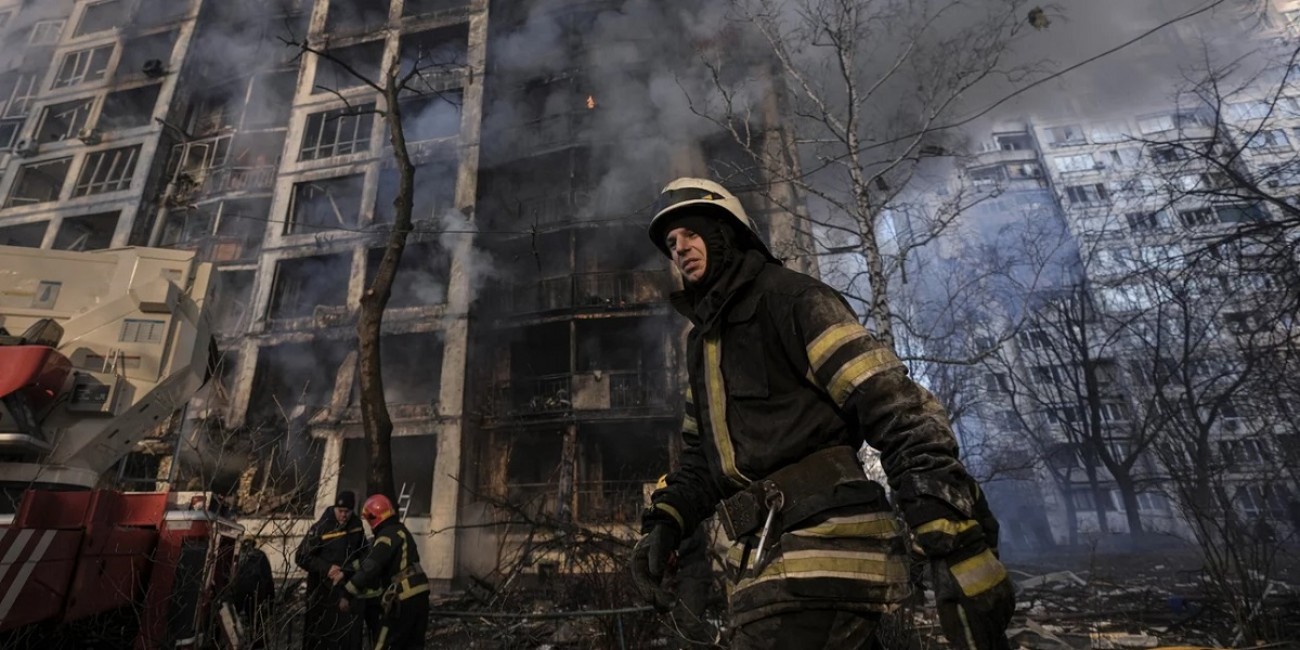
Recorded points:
717,396
845,355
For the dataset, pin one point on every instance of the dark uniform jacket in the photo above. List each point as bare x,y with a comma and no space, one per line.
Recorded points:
781,368
393,562
329,543
253,585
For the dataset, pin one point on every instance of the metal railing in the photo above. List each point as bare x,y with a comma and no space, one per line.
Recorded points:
596,501
630,390
606,290
239,179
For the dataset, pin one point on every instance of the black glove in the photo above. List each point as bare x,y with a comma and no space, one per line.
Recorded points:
974,615
971,588
650,561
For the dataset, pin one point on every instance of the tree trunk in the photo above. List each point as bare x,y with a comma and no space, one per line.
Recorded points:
375,421
1128,494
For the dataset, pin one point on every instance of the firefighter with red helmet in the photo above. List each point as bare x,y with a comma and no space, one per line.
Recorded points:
392,566
785,385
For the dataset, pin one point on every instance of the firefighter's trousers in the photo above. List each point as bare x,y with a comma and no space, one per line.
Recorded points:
814,629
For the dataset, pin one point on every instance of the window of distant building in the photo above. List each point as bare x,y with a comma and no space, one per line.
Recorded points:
1077,163
107,171
1269,139
1091,194
39,182
126,109
1061,136
1143,221
83,66
364,59
17,89
338,132
1108,132
101,16
45,32
64,121
326,204
86,233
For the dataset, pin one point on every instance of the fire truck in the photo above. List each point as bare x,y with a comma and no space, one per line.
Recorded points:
98,351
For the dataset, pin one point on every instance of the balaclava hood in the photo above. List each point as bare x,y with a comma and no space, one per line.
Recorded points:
719,240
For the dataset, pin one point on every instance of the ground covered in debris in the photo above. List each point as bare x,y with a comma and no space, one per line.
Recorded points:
1075,601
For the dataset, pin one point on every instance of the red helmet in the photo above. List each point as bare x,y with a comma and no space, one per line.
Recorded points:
377,509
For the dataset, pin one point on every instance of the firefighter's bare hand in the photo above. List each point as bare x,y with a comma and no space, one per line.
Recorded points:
650,561
344,605
335,574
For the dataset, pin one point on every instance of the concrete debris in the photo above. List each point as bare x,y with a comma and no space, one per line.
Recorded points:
1054,577
1118,641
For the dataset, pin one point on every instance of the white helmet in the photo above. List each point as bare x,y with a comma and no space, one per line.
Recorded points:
685,192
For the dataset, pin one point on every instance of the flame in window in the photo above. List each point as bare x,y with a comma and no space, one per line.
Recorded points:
591,102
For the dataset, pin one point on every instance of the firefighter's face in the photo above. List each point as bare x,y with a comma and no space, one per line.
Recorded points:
342,514
690,255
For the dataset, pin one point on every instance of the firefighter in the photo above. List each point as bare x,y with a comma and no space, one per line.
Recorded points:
335,539
393,565
253,591
784,387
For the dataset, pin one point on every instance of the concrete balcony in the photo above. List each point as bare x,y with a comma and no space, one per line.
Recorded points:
587,291
646,393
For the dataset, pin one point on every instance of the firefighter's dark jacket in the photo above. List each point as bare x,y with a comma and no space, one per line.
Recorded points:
329,543
393,562
780,368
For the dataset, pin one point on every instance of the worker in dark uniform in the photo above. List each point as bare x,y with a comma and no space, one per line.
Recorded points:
253,592
330,544
393,565
785,386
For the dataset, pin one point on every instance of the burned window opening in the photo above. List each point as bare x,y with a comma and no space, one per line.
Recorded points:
615,463
107,171
412,368
29,235
215,110
148,56
86,233
83,66
422,7
422,275
101,16
270,100
434,191
326,204
64,121
196,157
731,163
39,182
543,190
356,16
127,109
235,313
338,132
364,58
303,284
293,381
152,13
413,461
532,463
430,117
614,248
434,55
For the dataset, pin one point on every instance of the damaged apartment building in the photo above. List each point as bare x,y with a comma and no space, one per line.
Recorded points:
530,356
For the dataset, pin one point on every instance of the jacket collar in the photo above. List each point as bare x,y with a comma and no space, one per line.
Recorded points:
705,311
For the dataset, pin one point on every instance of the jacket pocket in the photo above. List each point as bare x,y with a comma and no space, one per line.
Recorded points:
744,353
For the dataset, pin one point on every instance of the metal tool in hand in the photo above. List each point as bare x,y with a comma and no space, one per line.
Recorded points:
774,500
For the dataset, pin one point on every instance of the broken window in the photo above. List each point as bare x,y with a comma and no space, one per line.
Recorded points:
64,121
147,55
187,225
86,233
101,16
215,109
435,191
412,365
235,311
30,235
730,163
107,171
46,32
432,54
17,89
9,130
364,59
421,275
1062,136
615,462
241,225
160,12
355,16
431,117
337,133
126,109
39,182
270,100
294,381
83,65
413,460
421,7
199,156
326,204
303,283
